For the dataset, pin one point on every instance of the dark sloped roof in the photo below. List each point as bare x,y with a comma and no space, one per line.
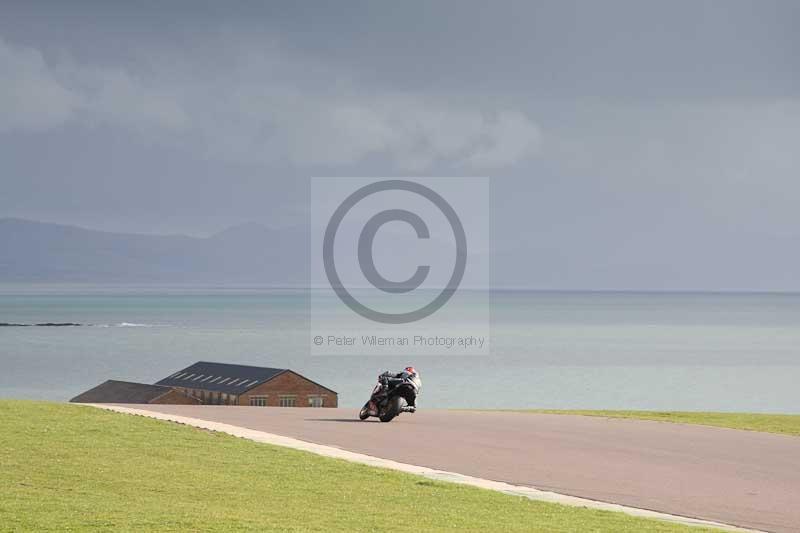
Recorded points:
220,377
121,392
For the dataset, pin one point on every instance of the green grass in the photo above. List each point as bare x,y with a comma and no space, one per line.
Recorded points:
77,468
784,424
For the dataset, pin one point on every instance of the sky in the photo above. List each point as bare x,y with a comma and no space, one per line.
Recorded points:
631,145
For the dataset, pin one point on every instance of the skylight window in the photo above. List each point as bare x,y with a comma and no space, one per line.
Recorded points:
207,377
216,379
224,380
198,377
189,376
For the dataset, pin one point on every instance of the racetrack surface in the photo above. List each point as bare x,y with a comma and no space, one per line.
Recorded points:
737,477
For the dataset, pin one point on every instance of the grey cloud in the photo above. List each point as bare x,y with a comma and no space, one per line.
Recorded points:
35,95
261,114
31,98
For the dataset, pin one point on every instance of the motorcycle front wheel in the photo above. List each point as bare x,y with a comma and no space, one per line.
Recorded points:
393,409
364,413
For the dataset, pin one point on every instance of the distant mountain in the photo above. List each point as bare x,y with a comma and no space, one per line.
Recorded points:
42,252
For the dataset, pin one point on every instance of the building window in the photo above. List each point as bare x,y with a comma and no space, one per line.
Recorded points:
287,401
258,401
316,401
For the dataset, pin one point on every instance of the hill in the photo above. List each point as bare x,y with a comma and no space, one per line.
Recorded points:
42,252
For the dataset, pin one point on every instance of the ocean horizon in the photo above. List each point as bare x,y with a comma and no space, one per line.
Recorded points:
549,349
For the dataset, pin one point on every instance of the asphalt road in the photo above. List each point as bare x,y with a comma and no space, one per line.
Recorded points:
737,477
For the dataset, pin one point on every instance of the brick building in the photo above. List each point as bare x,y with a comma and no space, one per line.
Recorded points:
225,384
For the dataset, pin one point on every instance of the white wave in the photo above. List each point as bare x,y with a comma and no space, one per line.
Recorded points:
130,325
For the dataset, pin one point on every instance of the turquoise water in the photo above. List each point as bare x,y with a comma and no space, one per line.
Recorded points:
736,352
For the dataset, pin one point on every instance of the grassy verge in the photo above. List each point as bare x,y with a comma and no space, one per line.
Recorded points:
785,424
68,467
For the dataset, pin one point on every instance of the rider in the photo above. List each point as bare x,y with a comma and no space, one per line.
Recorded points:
390,380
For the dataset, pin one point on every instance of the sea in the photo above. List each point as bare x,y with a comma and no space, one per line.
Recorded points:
592,350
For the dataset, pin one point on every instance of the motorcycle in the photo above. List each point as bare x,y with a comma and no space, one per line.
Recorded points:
392,396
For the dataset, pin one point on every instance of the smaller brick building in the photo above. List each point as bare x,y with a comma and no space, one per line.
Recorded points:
112,391
226,384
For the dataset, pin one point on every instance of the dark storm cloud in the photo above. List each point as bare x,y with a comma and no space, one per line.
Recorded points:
614,49
633,144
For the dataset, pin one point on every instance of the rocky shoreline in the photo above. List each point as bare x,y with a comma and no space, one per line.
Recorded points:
43,324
